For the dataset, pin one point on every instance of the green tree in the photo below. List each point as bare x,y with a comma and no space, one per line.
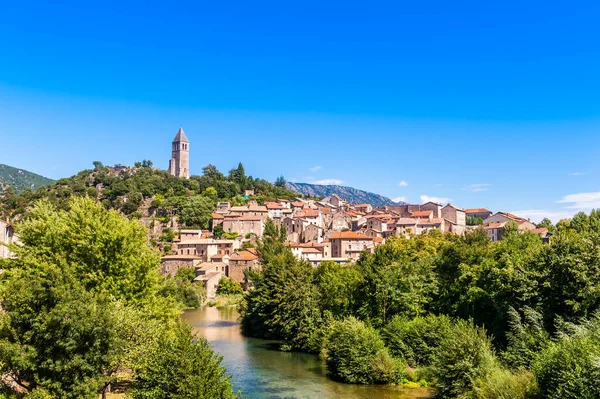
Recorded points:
194,212
107,252
177,366
229,287
355,352
280,182
463,356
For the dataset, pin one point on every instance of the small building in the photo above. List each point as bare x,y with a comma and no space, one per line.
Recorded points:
170,264
239,262
349,244
480,213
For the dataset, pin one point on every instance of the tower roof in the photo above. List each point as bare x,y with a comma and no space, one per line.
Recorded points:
180,137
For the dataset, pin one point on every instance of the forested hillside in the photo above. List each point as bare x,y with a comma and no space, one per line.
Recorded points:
128,189
19,179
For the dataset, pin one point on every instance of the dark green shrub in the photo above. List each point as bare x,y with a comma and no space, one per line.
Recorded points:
464,356
501,383
569,369
355,353
229,287
416,340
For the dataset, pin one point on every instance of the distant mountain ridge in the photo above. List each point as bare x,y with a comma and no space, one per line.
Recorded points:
20,179
349,194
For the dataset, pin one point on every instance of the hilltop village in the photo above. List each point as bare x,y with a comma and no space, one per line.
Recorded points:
329,229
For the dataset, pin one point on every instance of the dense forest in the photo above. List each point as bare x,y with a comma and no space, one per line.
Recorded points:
129,189
474,319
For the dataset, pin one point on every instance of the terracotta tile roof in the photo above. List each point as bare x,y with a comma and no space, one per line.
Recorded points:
217,216
349,235
243,255
298,204
512,216
308,213
476,210
274,205
310,250
362,206
378,239
218,256
421,214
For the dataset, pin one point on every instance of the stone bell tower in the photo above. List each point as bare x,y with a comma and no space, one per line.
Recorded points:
179,165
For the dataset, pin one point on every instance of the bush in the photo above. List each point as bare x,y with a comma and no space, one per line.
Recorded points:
229,287
464,356
569,369
355,353
503,384
416,340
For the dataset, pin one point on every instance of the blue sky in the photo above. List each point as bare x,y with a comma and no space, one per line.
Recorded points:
487,104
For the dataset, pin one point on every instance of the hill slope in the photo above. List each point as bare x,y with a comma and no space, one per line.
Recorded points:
20,179
349,194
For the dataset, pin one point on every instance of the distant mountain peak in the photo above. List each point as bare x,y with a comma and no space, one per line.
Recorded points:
350,194
21,179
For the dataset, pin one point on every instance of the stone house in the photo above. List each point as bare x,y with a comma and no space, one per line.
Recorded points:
456,217
217,220
187,235
364,208
274,210
341,221
312,233
209,274
503,217
481,213
406,226
424,225
336,201
349,244
239,262
204,249
244,225
428,214
170,264
310,216
223,207
434,207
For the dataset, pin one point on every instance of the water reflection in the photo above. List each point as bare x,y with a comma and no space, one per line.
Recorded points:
263,372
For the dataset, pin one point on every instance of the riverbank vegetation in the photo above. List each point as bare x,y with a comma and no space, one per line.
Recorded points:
474,319
84,308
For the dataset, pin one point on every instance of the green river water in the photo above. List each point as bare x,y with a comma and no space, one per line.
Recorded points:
261,371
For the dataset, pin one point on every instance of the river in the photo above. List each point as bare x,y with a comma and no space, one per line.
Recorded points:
261,371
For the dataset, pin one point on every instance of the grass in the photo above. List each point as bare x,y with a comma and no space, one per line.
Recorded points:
225,300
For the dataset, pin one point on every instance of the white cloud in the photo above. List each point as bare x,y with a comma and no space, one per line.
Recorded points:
403,183
536,215
316,168
476,188
328,182
576,174
581,201
439,200
400,199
